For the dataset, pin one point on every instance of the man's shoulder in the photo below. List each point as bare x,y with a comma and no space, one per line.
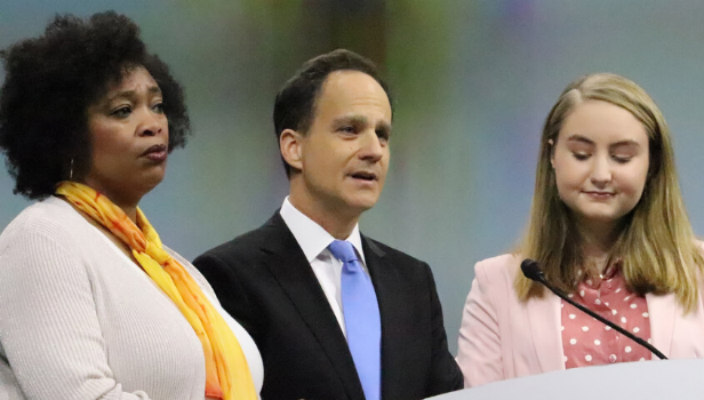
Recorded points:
246,245
386,251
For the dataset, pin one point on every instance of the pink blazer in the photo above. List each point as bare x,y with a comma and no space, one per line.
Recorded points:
501,337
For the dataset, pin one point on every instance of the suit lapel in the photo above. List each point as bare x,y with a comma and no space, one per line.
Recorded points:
391,306
290,268
661,312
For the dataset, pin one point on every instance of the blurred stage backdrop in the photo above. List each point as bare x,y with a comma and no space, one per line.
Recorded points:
473,81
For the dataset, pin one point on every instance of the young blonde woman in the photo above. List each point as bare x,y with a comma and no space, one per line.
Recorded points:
608,226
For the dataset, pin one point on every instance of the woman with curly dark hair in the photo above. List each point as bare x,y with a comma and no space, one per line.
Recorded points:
92,305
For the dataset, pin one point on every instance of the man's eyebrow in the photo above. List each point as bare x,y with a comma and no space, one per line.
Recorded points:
354,119
384,125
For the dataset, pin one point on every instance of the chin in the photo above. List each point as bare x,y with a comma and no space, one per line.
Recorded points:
364,203
150,183
357,207
601,218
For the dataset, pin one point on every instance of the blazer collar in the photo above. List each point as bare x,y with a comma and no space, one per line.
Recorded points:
292,271
310,236
662,311
373,253
544,320
394,302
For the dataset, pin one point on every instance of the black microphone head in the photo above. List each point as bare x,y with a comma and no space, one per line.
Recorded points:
531,270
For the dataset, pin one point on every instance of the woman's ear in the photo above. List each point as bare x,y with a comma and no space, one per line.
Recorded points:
291,146
551,149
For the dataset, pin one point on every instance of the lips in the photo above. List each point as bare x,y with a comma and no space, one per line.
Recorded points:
364,175
158,152
599,195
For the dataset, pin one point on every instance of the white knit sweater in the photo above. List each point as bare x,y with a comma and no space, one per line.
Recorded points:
80,320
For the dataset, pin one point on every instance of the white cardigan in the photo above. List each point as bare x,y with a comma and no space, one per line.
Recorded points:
80,320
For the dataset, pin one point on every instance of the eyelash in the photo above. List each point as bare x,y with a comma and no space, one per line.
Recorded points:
383,134
618,159
621,160
121,112
125,111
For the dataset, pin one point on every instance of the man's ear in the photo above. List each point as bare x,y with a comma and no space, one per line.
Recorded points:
291,145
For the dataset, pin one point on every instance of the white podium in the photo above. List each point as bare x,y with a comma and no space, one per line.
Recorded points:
662,380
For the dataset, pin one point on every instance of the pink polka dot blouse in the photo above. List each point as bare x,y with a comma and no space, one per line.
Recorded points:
586,341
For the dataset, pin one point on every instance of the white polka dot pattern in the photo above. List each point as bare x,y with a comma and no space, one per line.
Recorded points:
587,341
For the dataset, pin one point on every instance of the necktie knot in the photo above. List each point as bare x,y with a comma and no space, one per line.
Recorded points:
343,251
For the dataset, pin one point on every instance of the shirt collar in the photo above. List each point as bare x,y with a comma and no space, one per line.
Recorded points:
611,271
312,238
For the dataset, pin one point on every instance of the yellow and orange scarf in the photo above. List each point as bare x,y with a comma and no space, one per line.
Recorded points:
227,374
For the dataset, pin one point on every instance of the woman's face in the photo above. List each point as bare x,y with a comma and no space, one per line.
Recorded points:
601,160
129,136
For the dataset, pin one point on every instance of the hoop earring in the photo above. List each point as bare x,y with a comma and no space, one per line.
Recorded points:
70,171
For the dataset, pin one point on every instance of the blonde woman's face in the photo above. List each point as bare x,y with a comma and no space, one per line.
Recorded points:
600,160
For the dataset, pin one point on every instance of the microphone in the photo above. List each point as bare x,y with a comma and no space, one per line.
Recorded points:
532,271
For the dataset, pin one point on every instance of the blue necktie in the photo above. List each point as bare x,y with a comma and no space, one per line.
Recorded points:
362,320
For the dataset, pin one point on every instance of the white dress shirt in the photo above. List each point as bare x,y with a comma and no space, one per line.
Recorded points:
314,241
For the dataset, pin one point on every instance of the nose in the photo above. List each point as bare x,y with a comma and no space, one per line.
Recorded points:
601,171
372,148
153,124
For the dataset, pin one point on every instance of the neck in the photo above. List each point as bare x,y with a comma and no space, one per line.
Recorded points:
124,199
128,207
131,213
597,244
339,225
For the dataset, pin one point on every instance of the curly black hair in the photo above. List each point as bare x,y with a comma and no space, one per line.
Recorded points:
50,82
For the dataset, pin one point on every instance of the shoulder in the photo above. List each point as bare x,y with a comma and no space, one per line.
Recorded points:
699,245
51,218
245,248
499,269
374,248
50,236
239,246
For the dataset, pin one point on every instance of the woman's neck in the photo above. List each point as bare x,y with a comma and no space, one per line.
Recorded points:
123,197
597,241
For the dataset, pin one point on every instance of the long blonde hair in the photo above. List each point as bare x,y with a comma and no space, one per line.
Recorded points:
656,243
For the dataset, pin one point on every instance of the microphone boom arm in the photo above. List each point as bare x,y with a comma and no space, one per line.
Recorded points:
532,271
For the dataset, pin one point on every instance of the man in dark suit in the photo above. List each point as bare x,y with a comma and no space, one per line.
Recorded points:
360,323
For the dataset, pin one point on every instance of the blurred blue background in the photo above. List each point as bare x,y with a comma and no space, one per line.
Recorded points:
473,81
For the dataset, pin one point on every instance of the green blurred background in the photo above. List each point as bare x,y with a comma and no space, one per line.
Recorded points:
472,80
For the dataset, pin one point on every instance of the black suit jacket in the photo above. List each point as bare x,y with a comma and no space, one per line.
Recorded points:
263,279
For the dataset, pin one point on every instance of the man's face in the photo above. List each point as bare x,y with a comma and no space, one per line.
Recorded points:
344,156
